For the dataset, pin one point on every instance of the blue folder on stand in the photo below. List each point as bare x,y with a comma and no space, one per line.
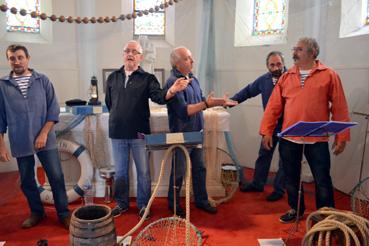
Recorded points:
316,129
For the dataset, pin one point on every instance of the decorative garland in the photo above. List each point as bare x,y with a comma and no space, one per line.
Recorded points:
87,20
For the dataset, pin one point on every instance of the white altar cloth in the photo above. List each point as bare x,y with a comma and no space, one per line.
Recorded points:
93,134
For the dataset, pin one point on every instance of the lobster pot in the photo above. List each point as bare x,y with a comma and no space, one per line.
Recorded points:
92,225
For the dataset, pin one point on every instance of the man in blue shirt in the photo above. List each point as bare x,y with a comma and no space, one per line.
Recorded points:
29,110
185,115
264,85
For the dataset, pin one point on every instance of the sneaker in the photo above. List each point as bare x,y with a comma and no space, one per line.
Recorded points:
274,196
179,211
290,216
250,188
208,208
142,212
118,211
65,222
33,220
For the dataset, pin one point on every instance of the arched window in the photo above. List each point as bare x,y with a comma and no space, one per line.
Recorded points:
151,24
19,23
269,17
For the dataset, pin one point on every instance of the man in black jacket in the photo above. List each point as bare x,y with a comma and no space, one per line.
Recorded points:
127,97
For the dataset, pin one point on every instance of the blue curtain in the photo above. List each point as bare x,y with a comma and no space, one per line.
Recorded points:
206,60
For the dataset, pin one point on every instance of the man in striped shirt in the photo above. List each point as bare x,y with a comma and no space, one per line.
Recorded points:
28,111
309,91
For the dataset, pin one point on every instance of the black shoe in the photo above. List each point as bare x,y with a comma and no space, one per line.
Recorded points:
118,211
250,188
275,196
33,220
65,221
179,211
142,212
290,216
208,208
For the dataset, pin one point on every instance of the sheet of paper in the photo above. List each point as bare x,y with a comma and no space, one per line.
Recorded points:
126,242
271,242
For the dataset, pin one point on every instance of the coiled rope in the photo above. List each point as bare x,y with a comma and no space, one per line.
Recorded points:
332,220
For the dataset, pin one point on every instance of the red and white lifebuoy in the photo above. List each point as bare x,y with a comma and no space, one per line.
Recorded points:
87,171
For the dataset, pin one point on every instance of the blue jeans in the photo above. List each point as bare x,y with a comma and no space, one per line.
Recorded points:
198,172
318,157
51,163
262,166
121,154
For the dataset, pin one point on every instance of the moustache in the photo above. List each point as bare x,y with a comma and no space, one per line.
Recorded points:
295,57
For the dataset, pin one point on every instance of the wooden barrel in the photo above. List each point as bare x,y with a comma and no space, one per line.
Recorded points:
92,225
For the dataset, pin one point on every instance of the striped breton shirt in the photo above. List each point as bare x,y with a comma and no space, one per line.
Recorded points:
303,76
23,82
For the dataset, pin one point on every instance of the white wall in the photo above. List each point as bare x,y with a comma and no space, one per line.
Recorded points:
79,51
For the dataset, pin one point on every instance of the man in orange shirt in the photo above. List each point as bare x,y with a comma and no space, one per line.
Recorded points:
309,91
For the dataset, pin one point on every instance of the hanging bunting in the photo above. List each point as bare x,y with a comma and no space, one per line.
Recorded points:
86,20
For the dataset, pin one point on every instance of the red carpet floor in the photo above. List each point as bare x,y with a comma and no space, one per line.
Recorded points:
241,221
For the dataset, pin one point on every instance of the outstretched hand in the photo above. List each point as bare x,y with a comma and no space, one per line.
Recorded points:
228,102
179,85
212,101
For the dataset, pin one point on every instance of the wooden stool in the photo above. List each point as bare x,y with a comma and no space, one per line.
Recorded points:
107,173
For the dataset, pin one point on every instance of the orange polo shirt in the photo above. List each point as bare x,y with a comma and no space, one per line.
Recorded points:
320,99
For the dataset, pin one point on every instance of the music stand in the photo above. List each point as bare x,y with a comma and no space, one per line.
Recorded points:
304,129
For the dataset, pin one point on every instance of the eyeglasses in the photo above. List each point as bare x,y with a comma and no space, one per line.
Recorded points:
133,52
294,49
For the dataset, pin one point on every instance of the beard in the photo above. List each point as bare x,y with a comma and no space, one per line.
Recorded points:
19,70
277,73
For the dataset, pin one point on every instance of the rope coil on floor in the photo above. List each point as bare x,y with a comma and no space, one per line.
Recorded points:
331,221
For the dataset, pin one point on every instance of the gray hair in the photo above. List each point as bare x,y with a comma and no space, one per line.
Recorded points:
135,42
174,57
275,53
311,45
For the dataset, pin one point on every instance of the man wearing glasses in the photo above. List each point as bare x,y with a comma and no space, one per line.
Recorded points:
309,91
127,97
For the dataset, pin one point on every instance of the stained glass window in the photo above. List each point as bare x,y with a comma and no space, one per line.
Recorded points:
151,24
367,13
19,23
269,17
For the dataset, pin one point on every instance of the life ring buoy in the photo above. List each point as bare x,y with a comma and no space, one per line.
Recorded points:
80,152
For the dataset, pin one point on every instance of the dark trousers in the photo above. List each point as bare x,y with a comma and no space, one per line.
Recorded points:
198,172
51,163
318,158
262,166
